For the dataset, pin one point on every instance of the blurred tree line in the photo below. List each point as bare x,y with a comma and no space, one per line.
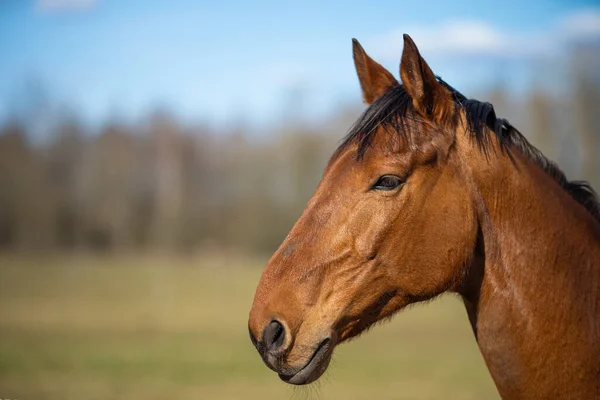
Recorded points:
161,185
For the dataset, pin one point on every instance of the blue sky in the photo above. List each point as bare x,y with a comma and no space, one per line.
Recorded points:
220,61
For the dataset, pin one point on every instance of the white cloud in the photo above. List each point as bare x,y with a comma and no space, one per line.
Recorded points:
64,5
583,24
473,37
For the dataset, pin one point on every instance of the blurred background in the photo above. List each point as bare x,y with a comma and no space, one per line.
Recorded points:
153,154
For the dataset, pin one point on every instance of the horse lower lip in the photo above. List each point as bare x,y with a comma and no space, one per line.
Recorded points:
302,376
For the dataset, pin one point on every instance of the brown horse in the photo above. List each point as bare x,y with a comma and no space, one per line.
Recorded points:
431,192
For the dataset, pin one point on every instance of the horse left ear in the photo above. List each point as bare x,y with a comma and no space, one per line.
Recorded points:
374,79
430,98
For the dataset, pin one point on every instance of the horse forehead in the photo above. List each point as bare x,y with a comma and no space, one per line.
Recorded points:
347,161
340,160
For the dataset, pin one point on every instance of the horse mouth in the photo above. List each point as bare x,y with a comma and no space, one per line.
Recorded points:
314,368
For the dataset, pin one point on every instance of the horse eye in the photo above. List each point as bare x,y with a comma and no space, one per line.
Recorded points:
387,182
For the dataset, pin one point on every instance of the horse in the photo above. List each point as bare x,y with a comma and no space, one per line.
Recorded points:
431,192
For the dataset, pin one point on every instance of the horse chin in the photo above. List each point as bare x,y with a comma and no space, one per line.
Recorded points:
314,368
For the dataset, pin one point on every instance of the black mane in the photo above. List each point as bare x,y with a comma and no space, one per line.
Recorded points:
394,111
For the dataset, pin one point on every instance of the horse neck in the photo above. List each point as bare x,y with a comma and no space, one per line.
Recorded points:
533,291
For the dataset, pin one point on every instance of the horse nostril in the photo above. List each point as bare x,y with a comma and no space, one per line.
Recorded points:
273,335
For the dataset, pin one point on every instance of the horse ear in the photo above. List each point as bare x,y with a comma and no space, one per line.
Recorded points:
430,98
374,79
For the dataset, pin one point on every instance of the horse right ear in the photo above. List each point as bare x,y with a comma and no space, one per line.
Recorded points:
374,79
430,98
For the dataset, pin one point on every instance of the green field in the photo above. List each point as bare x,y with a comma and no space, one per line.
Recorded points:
141,328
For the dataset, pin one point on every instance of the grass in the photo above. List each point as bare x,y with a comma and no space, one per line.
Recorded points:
138,328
